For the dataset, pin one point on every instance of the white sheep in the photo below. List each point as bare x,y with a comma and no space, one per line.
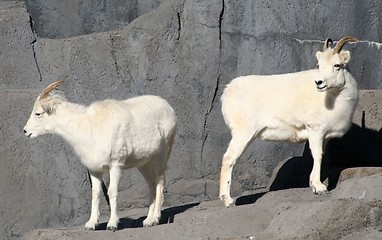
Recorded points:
314,105
111,135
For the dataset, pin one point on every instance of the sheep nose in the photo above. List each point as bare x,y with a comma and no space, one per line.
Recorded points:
319,82
25,131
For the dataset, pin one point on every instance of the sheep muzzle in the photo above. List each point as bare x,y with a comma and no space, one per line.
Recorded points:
321,85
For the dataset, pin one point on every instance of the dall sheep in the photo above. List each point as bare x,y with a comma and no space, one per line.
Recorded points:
111,135
314,105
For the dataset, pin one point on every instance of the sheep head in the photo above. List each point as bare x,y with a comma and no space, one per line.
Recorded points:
332,64
38,122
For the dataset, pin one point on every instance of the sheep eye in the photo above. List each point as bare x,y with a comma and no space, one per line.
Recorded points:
337,66
38,114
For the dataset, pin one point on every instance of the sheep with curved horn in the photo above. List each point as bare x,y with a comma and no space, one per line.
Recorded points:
111,135
314,105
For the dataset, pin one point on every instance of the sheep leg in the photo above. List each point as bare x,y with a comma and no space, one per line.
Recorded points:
158,202
160,171
147,171
96,179
236,147
317,148
115,173
154,173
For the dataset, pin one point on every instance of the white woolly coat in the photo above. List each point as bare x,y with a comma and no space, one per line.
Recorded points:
285,107
116,132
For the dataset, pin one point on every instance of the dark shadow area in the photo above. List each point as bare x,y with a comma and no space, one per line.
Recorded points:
124,223
294,173
248,199
167,216
359,147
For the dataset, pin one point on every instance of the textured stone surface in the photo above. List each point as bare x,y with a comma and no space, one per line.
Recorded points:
287,214
185,51
63,19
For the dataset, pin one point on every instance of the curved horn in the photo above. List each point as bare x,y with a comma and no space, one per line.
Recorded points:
327,42
44,94
342,42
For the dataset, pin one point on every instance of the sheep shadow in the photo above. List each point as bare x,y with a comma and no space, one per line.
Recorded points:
167,216
359,147
248,199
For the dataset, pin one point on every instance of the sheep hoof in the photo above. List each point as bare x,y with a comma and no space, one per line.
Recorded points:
322,192
319,188
150,223
228,201
112,228
90,226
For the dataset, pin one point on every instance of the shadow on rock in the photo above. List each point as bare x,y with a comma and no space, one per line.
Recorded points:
294,172
167,216
359,147
248,199
124,223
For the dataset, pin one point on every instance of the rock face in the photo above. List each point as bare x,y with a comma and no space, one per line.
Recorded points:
63,19
286,214
185,51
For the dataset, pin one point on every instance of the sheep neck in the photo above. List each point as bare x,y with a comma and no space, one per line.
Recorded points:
350,90
349,93
71,123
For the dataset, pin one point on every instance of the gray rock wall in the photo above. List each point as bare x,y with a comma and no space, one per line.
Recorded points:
185,51
63,19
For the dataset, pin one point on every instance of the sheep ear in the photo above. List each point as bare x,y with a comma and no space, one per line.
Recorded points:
47,105
318,55
345,56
